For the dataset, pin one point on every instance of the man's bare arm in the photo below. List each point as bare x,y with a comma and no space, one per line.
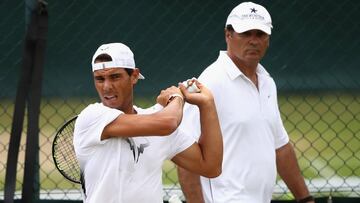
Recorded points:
204,157
163,122
289,171
190,186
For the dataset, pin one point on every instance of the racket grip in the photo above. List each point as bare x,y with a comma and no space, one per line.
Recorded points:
191,86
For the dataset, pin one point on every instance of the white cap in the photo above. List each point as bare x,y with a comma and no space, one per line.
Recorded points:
250,16
121,55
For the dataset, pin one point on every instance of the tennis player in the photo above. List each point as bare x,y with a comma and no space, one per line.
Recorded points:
121,148
256,145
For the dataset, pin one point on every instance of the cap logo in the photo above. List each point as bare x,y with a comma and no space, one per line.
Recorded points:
104,48
253,10
252,16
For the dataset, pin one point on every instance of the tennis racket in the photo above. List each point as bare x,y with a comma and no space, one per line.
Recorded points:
64,154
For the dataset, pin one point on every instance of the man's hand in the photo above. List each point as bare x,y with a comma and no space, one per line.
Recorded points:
197,98
166,95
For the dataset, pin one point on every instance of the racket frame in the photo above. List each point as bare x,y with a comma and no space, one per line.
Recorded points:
56,162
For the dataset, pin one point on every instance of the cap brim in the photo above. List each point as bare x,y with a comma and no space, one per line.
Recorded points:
141,76
112,64
251,26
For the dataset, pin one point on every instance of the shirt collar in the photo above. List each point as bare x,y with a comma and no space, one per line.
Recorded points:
233,71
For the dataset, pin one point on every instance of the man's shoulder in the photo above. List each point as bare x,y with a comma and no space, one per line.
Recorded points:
96,112
92,109
88,113
216,67
265,74
262,70
213,75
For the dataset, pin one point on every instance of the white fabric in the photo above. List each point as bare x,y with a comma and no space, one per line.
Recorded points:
252,129
109,64
121,55
121,170
249,16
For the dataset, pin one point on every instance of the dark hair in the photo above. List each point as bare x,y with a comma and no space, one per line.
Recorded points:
103,58
229,28
106,58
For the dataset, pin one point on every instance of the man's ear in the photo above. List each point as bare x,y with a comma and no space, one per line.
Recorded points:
228,34
135,76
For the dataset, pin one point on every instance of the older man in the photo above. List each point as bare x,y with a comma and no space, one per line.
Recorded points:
256,144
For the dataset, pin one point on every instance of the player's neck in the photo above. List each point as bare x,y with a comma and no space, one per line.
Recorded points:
248,68
129,109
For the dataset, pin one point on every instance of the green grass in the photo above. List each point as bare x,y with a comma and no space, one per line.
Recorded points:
325,130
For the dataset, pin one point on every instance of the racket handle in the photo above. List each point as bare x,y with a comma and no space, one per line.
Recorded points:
191,86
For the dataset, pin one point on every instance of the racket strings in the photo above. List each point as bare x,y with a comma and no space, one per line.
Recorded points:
64,153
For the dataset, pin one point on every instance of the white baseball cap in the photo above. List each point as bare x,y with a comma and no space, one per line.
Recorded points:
250,16
121,55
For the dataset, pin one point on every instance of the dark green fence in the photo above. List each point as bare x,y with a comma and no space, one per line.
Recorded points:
313,57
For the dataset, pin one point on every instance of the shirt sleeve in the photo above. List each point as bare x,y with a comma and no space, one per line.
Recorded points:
188,131
190,124
89,126
281,136
179,142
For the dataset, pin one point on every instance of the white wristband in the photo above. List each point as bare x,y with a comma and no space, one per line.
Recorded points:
172,96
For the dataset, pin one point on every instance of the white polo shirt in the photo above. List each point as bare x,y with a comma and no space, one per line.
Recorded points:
252,129
122,170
